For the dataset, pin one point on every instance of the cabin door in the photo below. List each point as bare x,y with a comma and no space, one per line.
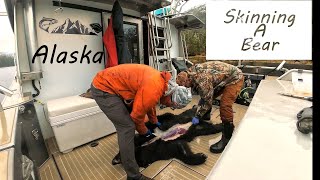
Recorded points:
133,36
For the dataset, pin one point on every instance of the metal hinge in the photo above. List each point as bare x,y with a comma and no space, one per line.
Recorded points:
31,76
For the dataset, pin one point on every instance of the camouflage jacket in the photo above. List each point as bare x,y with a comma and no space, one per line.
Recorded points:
210,77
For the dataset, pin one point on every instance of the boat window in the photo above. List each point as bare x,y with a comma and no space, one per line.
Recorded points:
132,40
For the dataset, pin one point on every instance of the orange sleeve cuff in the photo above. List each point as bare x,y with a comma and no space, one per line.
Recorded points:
140,126
152,116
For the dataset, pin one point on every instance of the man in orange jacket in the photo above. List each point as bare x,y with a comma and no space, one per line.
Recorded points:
126,94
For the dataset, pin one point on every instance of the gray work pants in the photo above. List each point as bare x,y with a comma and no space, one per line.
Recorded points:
115,109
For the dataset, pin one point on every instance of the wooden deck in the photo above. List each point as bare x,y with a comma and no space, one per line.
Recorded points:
86,162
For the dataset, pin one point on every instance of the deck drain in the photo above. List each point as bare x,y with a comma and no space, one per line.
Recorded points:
94,144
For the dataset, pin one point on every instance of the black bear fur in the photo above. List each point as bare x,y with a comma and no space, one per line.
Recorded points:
178,148
201,129
164,150
168,120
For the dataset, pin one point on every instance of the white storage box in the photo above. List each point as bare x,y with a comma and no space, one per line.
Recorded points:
77,120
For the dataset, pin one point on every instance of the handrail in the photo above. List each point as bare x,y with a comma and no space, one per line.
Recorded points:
16,105
156,27
170,35
152,39
5,91
184,45
262,67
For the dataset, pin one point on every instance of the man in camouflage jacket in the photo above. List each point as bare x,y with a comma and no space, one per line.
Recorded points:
212,79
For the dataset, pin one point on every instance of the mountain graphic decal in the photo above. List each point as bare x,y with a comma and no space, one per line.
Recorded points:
69,27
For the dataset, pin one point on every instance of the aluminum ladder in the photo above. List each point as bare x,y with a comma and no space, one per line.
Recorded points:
160,41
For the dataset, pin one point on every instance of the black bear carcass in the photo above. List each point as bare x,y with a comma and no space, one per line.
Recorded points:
164,150
178,148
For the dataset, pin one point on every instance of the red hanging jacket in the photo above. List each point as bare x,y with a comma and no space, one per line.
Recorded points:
110,44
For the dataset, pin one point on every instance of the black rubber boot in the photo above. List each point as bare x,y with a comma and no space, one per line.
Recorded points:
116,159
227,131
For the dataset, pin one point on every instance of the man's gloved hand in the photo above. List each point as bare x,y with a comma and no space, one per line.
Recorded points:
149,133
142,138
195,120
159,125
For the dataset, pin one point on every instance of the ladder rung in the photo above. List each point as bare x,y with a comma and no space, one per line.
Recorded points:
167,15
161,28
161,38
162,49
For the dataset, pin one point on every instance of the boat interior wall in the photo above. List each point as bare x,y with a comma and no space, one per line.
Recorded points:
175,43
67,65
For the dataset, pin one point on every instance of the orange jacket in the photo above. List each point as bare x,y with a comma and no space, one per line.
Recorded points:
137,82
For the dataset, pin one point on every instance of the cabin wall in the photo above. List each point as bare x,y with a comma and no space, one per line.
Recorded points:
65,79
175,42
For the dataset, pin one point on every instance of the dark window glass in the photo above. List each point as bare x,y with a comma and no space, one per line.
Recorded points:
132,40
